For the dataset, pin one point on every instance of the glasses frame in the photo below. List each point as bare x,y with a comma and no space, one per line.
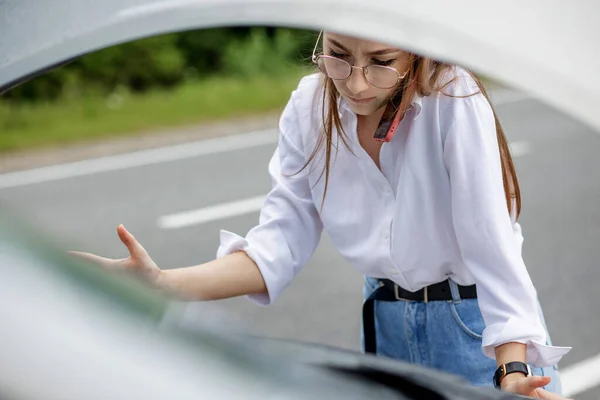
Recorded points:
315,59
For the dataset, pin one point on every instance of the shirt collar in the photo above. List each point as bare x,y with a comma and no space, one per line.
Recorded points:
417,104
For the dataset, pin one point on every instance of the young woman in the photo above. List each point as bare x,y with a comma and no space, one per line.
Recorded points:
403,161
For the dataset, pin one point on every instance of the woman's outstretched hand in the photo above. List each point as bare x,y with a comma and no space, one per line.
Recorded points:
138,263
530,386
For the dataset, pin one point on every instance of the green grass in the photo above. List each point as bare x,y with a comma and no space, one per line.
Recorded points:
27,126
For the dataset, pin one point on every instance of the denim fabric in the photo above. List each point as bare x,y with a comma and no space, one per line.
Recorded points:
443,335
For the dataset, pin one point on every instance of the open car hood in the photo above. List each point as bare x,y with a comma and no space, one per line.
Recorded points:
548,49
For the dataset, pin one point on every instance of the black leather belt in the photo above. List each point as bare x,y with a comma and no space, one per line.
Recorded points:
389,291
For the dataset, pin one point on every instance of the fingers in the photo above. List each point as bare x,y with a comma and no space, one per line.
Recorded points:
531,383
545,395
534,382
133,246
102,261
532,386
528,386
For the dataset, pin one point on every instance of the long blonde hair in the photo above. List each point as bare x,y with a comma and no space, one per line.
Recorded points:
422,78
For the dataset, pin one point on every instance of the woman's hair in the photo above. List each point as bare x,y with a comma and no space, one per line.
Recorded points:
423,78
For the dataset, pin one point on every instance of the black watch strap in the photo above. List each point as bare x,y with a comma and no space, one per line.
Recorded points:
510,368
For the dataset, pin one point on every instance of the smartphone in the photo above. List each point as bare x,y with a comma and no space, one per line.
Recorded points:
385,131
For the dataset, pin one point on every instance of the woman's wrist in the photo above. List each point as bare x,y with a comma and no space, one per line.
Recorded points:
165,283
508,379
508,353
160,280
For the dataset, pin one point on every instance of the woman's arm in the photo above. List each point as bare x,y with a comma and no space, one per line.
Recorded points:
485,233
230,276
264,262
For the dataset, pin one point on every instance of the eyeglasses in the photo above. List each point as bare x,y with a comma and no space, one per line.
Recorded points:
380,76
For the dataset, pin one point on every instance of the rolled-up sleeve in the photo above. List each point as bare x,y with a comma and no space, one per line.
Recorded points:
289,227
489,247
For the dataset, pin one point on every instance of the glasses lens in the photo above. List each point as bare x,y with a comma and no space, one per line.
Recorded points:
381,77
334,67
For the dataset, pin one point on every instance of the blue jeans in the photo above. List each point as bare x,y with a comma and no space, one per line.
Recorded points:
443,335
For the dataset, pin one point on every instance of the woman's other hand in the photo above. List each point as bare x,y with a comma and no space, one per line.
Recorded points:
529,386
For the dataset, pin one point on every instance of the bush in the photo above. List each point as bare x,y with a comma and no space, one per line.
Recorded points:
203,49
138,65
260,55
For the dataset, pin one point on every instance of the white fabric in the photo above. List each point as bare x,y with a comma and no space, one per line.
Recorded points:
435,210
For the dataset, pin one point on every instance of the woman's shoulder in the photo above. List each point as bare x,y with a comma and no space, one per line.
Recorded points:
306,101
458,91
310,82
456,81
308,92
300,118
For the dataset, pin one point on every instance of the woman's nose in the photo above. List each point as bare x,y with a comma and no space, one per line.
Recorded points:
356,82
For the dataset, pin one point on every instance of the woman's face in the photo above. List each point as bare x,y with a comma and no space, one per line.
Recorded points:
362,97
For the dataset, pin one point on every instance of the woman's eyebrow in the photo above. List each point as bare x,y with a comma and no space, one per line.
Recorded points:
371,53
338,44
382,52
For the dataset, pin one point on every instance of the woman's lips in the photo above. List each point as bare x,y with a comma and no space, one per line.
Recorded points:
361,101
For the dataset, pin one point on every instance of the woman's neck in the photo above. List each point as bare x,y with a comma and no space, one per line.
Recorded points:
370,122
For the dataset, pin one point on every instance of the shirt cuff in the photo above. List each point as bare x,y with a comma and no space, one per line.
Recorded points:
230,243
539,353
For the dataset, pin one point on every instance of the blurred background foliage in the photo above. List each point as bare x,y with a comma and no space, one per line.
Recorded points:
157,83
170,60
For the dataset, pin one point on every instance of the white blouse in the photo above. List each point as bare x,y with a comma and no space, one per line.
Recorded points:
435,210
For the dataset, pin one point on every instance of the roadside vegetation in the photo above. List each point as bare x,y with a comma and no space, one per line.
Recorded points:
156,83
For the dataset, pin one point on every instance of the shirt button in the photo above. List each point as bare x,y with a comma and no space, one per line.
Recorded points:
386,235
393,272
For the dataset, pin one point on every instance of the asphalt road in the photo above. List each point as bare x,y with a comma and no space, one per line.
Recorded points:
559,171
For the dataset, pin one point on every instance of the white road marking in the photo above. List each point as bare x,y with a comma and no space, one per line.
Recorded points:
213,213
138,158
250,205
581,376
172,153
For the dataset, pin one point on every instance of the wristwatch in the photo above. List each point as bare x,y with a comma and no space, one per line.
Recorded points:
510,368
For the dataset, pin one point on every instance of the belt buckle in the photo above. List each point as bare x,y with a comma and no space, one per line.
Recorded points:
397,295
